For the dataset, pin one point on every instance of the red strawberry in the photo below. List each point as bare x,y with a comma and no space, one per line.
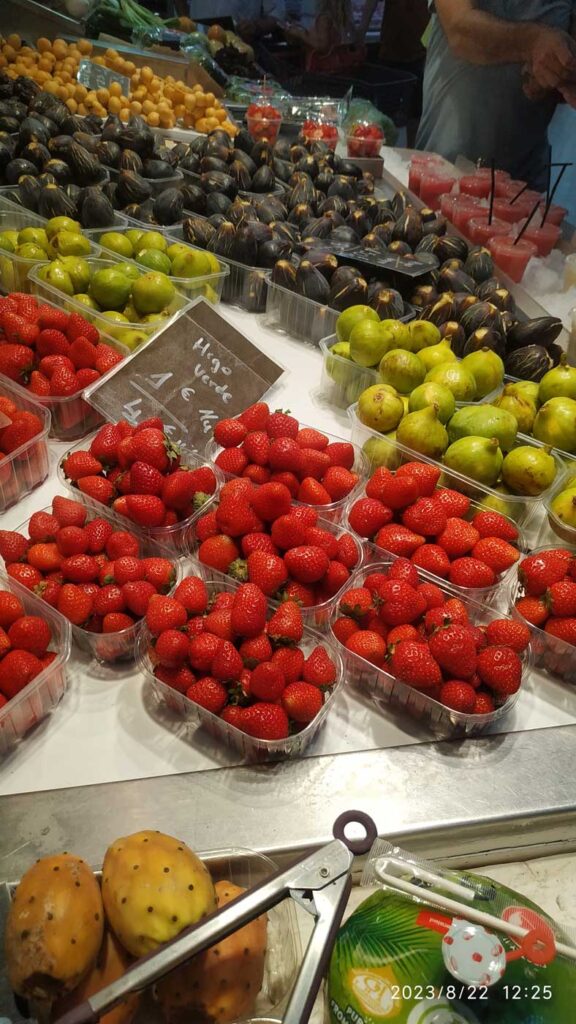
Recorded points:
289,480
432,558
171,648
51,342
470,572
305,514
271,501
404,632
229,433
80,568
109,599
304,595
283,455
83,354
399,603
145,479
484,705
24,426
302,702
63,383
458,537
311,492
30,633
339,482
192,593
280,424
508,633
459,696
27,575
16,362
206,527
151,581
257,474
267,682
74,604
49,316
39,384
255,417
492,524
563,629
219,622
404,569
500,668
306,564
106,358
218,552
347,551
50,365
17,669
202,650
265,721
323,539
256,650
313,463
249,609
538,572
13,546
426,516
209,694
290,660
455,505
98,531
45,557
395,491
234,715
337,575
258,542
164,613
454,649
79,327
86,376
145,509
357,603
288,532
268,572
18,330
68,512
232,460
431,594
495,552
236,518
256,447
79,464
227,664
11,608
426,474
412,662
398,539
560,598
457,611
309,437
368,645
340,453
96,487
533,609
319,669
285,625
72,540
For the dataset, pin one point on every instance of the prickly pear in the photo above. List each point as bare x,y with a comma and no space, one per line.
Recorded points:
54,928
111,963
153,886
221,984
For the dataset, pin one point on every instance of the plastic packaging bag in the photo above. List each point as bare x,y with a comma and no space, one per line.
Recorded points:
363,112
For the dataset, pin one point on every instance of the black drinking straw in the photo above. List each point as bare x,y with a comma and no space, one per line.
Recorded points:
492,189
518,194
523,229
553,193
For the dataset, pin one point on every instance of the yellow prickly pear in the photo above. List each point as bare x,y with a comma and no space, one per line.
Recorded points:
111,963
153,886
221,984
54,928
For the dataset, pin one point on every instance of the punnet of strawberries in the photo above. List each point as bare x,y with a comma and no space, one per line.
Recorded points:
141,474
81,564
406,513
259,535
17,427
430,640
263,445
225,651
546,599
51,353
24,647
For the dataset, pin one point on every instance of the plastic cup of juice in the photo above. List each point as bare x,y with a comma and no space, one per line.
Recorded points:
475,185
486,172
480,231
419,164
556,215
512,256
448,201
464,209
545,237
511,214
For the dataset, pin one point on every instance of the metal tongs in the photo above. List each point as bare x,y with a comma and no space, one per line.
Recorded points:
320,884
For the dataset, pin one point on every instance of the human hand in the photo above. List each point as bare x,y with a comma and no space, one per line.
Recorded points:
552,59
530,86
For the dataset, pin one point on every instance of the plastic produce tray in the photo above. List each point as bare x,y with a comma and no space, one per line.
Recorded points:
315,617
550,653
252,749
522,509
173,538
387,690
244,287
47,292
207,286
45,692
26,467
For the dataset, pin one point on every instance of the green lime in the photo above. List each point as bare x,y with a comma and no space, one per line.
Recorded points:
110,288
6,243
70,243
152,293
56,224
152,240
118,242
29,251
55,274
193,263
79,271
153,259
352,316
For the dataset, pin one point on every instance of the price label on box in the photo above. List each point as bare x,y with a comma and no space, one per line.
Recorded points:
199,370
95,76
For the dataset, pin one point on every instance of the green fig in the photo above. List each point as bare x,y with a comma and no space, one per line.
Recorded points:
433,394
423,334
563,506
368,343
434,355
423,432
457,378
528,470
352,316
403,370
382,451
526,389
487,369
380,408
555,424
341,372
484,421
522,408
477,457
559,382
397,335
55,274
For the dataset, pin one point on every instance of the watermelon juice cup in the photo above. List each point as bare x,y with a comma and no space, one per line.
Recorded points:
419,164
545,236
480,230
512,256
464,208
433,183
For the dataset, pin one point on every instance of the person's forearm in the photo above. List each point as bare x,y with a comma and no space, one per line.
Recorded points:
481,38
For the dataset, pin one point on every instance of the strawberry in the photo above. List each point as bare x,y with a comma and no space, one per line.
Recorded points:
495,552
288,532
347,551
267,572
538,572
83,355
412,662
79,464
508,633
207,526
458,537
232,460
426,475
229,433
309,437
68,512
249,609
49,365
27,575
432,594
202,650
80,568
283,454
290,661
393,490
470,572
305,514
17,669
399,603
219,622
109,599
312,463
64,383
16,362
79,327
340,453
218,552
321,538
337,576
121,543
560,598
357,603
398,539
457,611
255,650
368,645
459,696
23,428
271,501
30,633
26,305
404,569
43,526
227,664
257,474
18,330
319,669
256,416
493,524
145,509
96,487
432,558
39,384
289,480
45,557
455,504
153,446
265,721
209,694
192,593
127,569
500,668
164,613
311,492
49,316
258,542
236,517
171,648
74,604
483,705
11,608
285,625
454,649
425,516
304,596
339,482
13,546
256,447
306,564
106,358
533,609
267,682
302,702
563,629
280,424
179,679
137,594
51,342
145,479
233,715
4,643
404,632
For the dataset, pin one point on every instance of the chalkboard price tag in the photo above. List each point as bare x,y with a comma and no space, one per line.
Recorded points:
94,76
199,370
